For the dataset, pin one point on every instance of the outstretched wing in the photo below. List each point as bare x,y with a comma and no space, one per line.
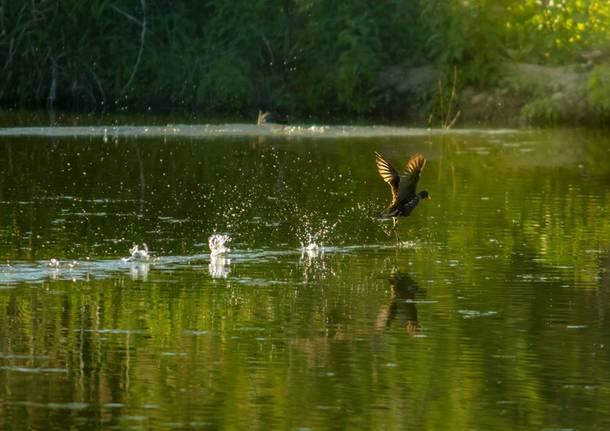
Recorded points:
389,174
409,179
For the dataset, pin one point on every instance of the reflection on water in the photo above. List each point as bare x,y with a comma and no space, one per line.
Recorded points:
492,312
139,270
219,266
402,306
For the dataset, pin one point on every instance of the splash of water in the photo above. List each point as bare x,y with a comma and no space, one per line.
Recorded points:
312,238
219,244
56,263
312,249
408,244
313,262
138,254
219,261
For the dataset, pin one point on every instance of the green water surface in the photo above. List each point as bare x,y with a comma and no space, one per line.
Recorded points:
492,313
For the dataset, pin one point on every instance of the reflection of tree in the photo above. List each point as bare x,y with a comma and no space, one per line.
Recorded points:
401,306
601,298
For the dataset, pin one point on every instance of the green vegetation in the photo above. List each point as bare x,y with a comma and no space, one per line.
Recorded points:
556,31
540,112
319,59
599,90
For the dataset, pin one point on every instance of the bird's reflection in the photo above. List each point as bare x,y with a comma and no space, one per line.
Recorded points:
401,308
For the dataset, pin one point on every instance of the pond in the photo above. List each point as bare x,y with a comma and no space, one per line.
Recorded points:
491,312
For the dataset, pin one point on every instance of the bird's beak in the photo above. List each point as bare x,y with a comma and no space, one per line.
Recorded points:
429,197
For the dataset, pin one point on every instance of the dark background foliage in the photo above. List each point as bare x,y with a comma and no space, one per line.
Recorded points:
305,59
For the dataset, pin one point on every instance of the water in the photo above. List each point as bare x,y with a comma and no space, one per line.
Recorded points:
491,313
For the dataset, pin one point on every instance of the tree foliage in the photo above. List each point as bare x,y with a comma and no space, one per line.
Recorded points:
300,57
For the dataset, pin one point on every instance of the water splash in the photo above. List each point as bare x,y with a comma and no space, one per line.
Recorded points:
313,250
408,244
313,262
471,314
219,261
313,237
138,254
218,244
56,264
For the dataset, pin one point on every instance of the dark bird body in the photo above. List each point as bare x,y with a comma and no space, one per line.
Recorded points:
403,187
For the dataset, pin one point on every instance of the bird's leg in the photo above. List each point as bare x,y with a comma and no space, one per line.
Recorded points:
395,227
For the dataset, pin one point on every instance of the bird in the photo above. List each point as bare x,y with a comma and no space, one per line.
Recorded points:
403,187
